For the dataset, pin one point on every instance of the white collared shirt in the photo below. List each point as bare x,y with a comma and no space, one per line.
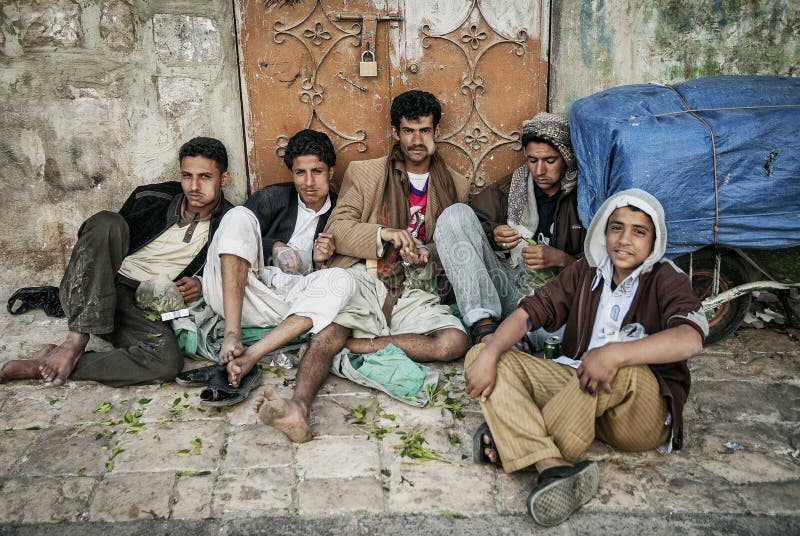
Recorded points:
614,304
302,238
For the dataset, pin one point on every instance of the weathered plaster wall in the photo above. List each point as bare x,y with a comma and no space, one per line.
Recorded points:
96,97
599,44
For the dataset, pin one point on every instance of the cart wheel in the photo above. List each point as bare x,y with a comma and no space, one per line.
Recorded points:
726,318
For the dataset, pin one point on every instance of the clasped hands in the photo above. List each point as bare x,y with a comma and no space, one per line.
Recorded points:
409,248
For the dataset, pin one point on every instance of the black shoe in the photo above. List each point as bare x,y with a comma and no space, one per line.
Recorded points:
562,490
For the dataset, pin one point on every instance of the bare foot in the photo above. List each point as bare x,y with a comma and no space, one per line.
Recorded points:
231,348
239,367
57,365
25,369
490,452
286,415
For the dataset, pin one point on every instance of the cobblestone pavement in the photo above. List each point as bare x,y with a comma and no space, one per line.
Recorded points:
85,458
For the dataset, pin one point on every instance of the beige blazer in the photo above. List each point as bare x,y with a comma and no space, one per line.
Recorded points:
353,222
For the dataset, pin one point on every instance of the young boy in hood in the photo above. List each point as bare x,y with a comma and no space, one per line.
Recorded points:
632,321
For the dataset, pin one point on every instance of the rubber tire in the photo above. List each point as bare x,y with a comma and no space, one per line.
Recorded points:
728,317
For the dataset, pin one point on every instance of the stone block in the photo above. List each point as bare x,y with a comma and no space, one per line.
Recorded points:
254,491
772,499
746,401
512,489
45,500
180,96
678,486
193,497
331,415
16,445
619,490
67,451
767,341
337,457
172,402
170,447
257,446
209,48
337,496
47,22
173,36
430,487
91,403
122,497
117,25
31,408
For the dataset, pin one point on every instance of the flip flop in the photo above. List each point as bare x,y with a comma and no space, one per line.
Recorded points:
561,491
478,446
200,376
220,393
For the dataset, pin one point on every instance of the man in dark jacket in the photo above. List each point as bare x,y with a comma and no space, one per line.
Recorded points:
523,223
260,262
162,229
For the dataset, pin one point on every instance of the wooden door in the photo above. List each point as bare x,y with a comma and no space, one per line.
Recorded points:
486,61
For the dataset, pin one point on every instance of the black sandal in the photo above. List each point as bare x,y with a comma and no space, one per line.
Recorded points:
200,376
479,455
479,332
220,393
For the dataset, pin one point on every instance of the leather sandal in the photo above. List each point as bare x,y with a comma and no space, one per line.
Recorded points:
479,332
220,393
479,447
200,376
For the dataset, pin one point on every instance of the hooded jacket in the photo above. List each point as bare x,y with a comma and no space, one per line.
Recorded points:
664,299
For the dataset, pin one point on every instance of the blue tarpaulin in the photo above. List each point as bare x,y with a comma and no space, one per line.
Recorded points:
746,183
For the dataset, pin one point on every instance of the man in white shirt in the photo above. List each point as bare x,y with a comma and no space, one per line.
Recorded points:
257,263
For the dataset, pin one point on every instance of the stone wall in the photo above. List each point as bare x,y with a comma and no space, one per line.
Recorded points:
599,44
96,97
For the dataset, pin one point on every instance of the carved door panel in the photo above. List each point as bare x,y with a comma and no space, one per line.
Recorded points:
485,60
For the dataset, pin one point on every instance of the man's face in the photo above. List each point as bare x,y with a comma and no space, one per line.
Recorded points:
417,141
546,165
629,240
202,183
312,180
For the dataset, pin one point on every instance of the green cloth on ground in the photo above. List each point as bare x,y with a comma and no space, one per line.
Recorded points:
389,370
200,334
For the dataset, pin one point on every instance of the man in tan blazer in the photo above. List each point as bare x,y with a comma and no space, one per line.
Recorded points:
383,225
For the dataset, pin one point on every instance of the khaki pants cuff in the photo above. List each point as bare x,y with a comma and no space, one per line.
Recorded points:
509,466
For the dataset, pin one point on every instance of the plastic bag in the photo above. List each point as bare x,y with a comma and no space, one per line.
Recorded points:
159,295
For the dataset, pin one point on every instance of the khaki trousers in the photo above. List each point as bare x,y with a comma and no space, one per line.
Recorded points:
538,411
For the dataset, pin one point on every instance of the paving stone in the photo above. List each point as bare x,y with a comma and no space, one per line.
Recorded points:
769,403
339,386
31,408
337,457
337,496
193,497
257,446
121,497
83,398
453,489
329,414
767,341
158,446
429,416
255,491
66,451
619,490
44,500
117,26
772,498
173,402
679,486
437,439
16,445
512,490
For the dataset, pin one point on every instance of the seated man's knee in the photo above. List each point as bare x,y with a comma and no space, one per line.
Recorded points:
472,354
452,218
451,343
236,222
105,222
165,362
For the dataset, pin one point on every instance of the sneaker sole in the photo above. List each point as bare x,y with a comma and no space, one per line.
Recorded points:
555,502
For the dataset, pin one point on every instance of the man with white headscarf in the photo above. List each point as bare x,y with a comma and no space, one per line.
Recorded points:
485,249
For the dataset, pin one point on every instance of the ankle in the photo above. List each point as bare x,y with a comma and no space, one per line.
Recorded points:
77,339
549,463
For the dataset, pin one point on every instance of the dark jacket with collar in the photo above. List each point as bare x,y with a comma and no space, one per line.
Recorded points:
275,206
491,207
152,209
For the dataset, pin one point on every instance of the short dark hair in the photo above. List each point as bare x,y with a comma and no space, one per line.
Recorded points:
413,105
310,142
531,137
210,148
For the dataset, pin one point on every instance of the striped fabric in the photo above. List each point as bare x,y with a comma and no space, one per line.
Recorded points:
538,411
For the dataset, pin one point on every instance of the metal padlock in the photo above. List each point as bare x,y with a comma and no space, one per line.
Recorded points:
368,68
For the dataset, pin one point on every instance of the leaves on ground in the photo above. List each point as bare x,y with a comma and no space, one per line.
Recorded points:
413,446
